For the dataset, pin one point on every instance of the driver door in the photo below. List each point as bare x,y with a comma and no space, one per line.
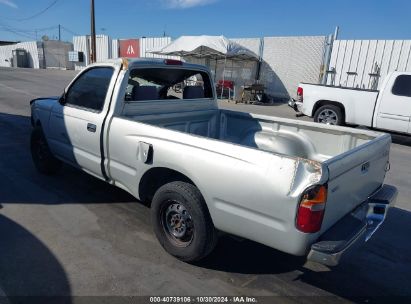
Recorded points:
75,125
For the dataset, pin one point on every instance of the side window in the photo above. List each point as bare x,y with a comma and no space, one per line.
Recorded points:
90,89
402,86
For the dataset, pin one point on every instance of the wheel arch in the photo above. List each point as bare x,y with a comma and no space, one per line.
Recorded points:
324,102
156,177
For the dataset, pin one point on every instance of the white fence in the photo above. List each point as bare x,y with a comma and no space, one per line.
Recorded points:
288,61
365,63
6,53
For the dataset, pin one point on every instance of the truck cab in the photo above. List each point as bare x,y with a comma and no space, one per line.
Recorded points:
393,108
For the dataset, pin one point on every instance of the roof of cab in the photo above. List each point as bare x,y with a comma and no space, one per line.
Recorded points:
137,62
133,63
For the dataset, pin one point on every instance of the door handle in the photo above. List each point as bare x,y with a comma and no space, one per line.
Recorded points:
91,127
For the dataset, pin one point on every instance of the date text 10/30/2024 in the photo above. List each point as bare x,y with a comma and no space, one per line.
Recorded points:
206,299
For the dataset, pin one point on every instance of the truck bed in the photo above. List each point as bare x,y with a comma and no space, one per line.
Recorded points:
351,161
359,103
270,134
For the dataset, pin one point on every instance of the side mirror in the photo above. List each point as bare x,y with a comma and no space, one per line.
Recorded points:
62,99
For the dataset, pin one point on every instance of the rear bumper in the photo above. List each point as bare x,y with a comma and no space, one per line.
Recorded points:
291,104
355,228
295,105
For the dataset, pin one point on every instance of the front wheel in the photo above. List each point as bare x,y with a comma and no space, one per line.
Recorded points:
329,115
181,221
43,159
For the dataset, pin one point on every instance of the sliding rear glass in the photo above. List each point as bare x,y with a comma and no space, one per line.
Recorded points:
146,84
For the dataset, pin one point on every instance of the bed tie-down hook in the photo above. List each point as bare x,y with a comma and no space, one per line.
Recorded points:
387,166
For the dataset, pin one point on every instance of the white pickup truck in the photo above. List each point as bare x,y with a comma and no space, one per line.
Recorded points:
388,109
153,128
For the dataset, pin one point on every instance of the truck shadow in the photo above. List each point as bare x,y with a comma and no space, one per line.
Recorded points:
29,271
379,269
19,173
404,140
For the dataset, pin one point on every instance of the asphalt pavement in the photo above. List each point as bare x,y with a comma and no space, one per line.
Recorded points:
73,235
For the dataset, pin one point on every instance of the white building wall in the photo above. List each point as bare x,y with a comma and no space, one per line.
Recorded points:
354,61
80,44
288,61
154,43
114,48
103,47
83,44
6,53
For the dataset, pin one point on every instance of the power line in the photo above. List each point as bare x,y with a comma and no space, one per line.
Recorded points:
35,15
31,33
69,31
22,34
28,31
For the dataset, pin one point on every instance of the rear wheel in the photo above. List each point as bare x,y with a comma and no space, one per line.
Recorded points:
330,115
42,157
182,222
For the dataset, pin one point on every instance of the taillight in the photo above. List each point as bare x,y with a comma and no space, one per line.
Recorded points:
311,210
300,93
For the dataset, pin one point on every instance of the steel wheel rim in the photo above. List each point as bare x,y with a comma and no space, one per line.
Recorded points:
177,223
328,116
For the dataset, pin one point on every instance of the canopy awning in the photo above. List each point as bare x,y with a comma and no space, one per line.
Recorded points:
213,47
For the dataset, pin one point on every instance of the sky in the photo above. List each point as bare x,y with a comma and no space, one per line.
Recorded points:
24,20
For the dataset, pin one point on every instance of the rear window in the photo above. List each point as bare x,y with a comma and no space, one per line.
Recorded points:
167,84
402,86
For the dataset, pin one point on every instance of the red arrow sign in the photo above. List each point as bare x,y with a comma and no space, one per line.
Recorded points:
130,48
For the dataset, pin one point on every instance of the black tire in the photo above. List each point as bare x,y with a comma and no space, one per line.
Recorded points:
199,237
339,120
43,159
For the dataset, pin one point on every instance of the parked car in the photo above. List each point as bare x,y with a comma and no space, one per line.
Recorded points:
387,109
275,181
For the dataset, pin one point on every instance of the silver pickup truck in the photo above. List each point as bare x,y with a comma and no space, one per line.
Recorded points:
154,129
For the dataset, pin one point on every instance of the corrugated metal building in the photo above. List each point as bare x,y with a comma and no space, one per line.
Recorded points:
365,63
109,48
147,44
83,43
6,53
114,48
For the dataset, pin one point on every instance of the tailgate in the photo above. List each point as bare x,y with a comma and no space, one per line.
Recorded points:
354,176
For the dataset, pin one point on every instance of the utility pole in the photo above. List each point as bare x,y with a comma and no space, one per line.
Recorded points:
93,54
59,32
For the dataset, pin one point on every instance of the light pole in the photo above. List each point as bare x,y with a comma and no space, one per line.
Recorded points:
93,54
